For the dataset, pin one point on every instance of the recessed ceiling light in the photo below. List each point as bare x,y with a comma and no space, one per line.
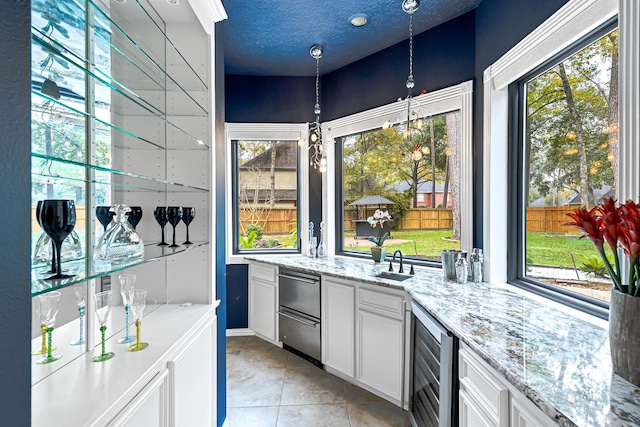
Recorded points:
173,1
359,20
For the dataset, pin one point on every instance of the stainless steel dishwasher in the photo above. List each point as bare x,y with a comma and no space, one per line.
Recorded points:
299,313
434,377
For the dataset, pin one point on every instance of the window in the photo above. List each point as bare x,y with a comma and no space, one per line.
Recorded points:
266,195
569,156
383,169
374,161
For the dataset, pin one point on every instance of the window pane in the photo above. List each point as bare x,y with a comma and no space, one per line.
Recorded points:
266,194
417,179
572,154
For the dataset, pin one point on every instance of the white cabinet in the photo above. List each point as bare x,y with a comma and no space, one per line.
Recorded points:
263,300
150,408
191,399
365,337
338,326
381,341
488,399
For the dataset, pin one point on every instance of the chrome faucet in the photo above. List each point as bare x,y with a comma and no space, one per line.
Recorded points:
393,259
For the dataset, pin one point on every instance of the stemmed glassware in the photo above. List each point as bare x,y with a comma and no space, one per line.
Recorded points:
39,309
81,301
42,243
188,214
137,306
174,215
126,290
160,214
48,310
103,308
104,215
58,217
134,216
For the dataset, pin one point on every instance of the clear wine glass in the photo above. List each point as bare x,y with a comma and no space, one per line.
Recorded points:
58,219
126,290
81,301
103,308
48,309
39,310
174,215
160,214
137,307
188,214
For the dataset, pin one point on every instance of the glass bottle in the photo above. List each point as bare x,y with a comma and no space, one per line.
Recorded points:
120,243
322,248
462,268
476,265
311,248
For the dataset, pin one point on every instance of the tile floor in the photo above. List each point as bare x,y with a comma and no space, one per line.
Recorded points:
268,386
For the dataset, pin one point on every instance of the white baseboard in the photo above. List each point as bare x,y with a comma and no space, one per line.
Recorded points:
240,332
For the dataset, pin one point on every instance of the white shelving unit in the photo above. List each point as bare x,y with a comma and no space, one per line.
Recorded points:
133,124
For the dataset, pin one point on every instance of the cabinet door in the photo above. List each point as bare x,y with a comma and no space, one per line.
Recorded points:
192,374
525,414
339,326
470,413
380,353
262,308
149,408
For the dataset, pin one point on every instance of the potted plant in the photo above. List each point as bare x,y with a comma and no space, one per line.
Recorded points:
378,219
619,227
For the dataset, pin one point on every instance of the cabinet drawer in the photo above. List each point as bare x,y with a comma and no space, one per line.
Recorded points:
382,303
264,272
479,382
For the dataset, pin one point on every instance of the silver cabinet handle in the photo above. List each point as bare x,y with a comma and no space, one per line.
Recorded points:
298,319
299,279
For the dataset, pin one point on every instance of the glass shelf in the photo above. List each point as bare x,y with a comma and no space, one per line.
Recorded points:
84,269
46,169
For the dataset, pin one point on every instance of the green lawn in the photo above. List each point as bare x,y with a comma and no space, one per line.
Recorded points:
423,243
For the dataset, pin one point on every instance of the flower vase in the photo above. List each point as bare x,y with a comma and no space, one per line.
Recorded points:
624,335
378,253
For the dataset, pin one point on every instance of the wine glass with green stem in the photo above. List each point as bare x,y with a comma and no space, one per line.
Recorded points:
126,290
103,308
137,307
38,309
48,310
81,301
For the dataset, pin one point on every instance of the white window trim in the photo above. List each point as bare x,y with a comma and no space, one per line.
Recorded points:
266,132
568,25
458,97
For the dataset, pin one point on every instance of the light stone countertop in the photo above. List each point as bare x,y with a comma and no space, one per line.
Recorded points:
558,357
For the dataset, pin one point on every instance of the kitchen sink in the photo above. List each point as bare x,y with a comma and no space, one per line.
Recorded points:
393,276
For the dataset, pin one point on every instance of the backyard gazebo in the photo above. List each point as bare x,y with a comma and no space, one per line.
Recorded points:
363,229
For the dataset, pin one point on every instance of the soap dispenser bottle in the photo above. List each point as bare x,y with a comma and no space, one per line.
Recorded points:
462,268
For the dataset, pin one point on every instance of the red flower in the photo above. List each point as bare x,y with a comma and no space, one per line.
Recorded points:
610,221
590,223
629,229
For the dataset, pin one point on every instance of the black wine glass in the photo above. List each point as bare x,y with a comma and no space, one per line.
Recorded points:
104,215
134,216
58,219
187,216
53,247
160,214
174,215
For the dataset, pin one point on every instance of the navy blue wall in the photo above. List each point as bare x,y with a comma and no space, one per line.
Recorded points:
443,56
15,216
220,225
254,99
237,296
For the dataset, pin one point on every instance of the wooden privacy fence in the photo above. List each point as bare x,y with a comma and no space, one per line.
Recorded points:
550,219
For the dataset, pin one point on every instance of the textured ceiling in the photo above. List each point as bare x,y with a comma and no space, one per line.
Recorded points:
273,37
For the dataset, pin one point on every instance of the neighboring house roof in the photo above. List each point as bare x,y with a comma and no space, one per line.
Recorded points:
574,198
280,195
423,186
286,157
